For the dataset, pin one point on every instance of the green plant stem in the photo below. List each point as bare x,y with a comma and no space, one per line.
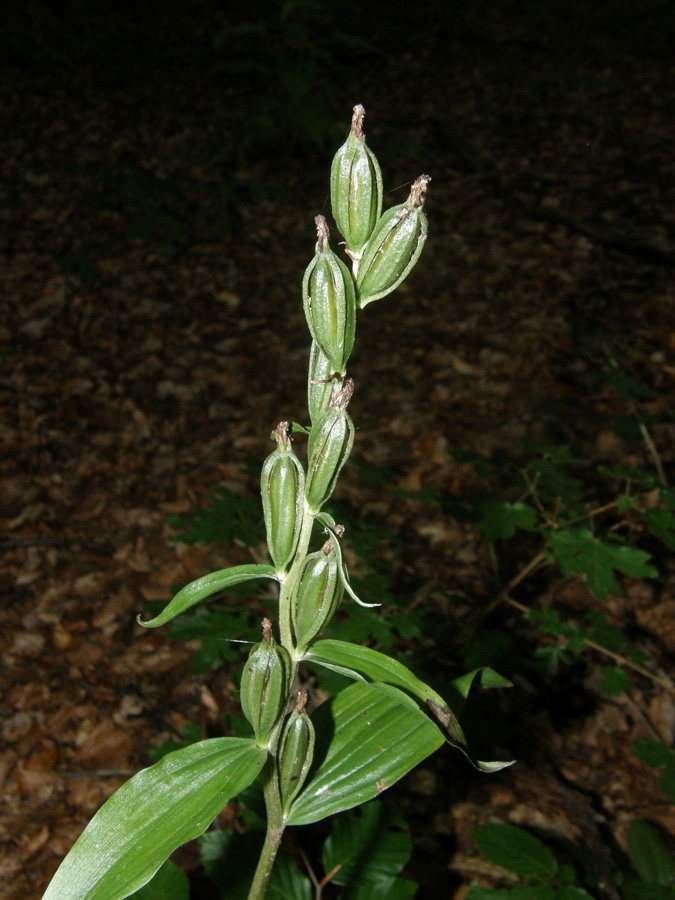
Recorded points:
275,819
275,830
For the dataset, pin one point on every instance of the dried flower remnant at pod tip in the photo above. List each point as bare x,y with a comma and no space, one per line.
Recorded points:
328,449
282,488
356,188
265,684
329,300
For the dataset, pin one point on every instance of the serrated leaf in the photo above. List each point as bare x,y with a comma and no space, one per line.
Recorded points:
577,551
367,737
151,815
500,519
651,859
514,849
205,587
168,883
365,849
364,664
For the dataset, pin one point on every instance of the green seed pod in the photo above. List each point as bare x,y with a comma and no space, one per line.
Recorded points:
282,486
316,595
330,301
356,188
320,382
328,448
264,684
296,750
394,247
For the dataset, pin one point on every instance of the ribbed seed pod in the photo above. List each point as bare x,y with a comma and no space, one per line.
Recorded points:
394,247
264,684
317,594
296,750
328,448
320,384
282,486
356,188
330,301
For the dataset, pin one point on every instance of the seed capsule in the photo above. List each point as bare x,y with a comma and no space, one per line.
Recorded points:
282,486
330,301
296,750
264,684
328,448
394,247
356,188
320,382
317,594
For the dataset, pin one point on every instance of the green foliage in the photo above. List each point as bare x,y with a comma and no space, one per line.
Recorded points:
543,877
368,854
657,755
363,854
151,815
515,850
652,861
227,517
577,551
168,883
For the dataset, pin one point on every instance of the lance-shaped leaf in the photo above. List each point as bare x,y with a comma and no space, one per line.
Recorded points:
367,737
151,815
365,664
207,586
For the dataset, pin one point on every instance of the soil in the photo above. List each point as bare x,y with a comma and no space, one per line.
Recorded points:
160,175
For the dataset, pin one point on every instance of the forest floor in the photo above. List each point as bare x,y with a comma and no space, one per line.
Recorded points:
157,217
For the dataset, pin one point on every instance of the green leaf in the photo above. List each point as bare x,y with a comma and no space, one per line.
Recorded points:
576,551
287,882
168,883
651,859
654,753
205,587
192,734
387,889
365,849
367,737
228,517
616,681
514,849
365,664
151,815
661,523
476,892
500,519
667,782
230,861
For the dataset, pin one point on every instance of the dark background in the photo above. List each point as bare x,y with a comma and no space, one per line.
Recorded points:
161,167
